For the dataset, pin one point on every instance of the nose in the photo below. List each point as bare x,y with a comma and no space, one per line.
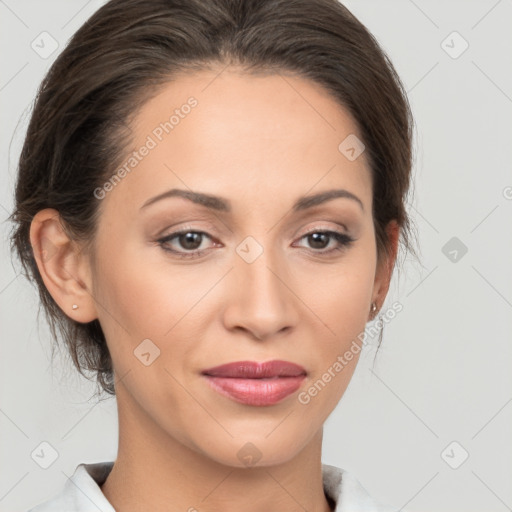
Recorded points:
260,298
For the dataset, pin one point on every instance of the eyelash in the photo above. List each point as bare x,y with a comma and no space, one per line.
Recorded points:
344,241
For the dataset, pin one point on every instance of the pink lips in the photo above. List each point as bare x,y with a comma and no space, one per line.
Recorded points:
254,383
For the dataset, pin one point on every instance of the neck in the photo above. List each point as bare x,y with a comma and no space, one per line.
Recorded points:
154,471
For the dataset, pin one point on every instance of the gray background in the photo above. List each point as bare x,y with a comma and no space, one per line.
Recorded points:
443,372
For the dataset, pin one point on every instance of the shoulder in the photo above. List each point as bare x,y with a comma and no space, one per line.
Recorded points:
81,492
349,495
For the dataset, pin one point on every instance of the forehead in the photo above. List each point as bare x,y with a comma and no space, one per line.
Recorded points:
224,130
277,108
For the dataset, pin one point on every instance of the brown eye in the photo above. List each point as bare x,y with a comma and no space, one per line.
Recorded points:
319,240
184,243
190,240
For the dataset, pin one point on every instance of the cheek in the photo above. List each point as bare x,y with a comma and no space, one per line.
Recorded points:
341,296
145,297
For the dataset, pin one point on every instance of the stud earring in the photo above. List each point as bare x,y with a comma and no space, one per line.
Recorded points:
75,306
374,307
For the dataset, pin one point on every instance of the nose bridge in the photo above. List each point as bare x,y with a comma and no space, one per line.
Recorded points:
261,301
259,275
257,265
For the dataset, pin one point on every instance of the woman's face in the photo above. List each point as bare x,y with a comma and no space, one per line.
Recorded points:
254,280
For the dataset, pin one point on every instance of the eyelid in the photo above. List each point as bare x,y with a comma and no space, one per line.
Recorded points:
319,227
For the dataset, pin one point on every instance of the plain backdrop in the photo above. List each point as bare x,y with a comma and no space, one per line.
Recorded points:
428,426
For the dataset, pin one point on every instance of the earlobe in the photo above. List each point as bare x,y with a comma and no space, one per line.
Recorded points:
63,268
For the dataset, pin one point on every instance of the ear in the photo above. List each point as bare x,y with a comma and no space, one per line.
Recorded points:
64,268
385,267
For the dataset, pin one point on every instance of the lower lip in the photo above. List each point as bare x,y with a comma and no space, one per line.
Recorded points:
256,391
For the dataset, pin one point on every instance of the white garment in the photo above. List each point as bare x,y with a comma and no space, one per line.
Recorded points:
82,493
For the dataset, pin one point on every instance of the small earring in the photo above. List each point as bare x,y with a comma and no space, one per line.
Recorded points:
75,306
374,307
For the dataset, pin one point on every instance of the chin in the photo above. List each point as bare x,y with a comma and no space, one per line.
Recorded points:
256,450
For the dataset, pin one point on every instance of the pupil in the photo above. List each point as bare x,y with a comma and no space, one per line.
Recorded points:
190,240
315,237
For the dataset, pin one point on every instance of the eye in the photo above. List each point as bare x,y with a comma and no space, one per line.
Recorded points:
320,239
188,240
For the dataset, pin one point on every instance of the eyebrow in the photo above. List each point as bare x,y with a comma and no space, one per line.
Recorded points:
224,205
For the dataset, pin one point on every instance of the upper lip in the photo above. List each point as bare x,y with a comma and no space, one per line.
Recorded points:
256,370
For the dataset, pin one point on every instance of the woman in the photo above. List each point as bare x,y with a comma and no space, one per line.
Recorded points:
211,197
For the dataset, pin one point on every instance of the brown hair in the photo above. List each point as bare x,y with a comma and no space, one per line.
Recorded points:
117,60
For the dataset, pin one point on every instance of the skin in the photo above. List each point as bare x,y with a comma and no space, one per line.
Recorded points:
261,142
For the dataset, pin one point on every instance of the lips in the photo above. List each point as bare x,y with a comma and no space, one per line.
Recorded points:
253,383
255,370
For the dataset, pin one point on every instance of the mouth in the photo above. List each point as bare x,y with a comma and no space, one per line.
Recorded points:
256,384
